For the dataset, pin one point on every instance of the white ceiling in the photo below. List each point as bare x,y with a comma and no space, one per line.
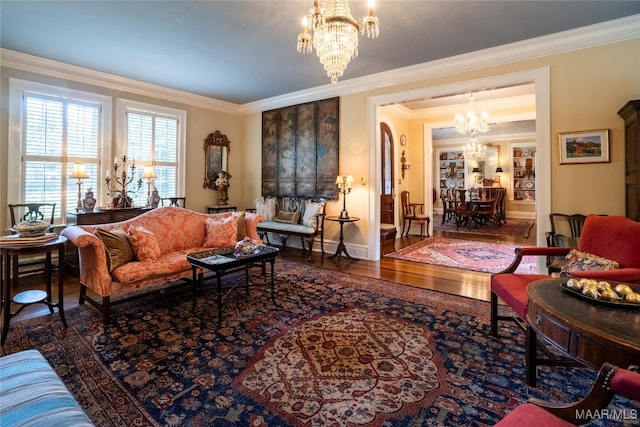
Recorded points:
244,51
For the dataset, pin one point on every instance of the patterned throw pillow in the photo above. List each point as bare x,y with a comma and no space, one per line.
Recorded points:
221,232
117,246
288,217
144,244
583,261
266,208
311,209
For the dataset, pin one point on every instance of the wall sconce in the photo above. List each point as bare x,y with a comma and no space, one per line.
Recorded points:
475,172
499,171
404,163
344,184
149,174
79,172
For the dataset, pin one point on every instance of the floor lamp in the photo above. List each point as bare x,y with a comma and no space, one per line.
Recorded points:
79,173
149,174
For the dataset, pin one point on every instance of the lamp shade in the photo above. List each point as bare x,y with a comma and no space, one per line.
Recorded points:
79,171
499,169
149,172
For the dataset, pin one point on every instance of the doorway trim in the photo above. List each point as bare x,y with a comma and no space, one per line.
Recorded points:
539,76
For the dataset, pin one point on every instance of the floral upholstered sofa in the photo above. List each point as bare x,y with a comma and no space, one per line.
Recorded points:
144,253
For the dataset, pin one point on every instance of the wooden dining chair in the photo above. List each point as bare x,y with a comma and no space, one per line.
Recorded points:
411,213
449,204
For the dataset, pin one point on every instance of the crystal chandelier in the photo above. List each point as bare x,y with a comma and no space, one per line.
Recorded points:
476,149
471,124
334,34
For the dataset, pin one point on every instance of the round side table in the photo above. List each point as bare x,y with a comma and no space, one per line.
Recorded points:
10,252
341,247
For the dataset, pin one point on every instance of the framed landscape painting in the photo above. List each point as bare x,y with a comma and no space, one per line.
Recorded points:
591,146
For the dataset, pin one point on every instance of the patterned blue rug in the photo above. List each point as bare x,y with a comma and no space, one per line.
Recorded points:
338,350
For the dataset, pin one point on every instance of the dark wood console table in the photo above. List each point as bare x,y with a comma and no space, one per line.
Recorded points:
106,216
590,332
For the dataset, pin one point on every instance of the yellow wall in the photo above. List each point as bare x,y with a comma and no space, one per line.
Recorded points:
588,87
200,122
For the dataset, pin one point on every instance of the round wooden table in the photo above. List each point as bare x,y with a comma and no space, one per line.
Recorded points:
9,259
341,247
591,332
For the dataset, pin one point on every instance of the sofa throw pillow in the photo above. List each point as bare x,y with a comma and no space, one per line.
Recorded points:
242,230
266,208
311,209
221,232
288,217
117,246
583,261
144,244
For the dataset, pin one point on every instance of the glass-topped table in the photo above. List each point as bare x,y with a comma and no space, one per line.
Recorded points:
221,262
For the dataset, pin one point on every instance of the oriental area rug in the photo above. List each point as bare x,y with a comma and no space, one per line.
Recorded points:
337,350
464,254
512,227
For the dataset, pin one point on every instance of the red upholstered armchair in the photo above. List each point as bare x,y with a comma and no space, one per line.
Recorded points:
610,381
613,237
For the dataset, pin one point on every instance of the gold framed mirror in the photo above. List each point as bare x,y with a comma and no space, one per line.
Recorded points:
216,161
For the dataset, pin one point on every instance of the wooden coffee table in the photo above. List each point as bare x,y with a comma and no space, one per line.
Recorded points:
222,263
590,332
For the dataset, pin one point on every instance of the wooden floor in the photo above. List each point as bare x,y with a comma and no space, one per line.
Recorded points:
451,280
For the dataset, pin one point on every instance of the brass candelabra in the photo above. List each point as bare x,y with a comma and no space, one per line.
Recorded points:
118,184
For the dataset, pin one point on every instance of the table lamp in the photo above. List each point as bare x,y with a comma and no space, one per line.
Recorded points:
344,187
499,171
149,174
79,173
475,171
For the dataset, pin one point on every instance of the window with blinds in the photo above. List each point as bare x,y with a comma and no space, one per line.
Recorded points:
58,132
153,138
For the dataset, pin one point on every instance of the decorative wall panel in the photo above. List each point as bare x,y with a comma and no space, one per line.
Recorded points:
300,146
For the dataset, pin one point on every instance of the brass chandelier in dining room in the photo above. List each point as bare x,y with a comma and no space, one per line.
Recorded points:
333,32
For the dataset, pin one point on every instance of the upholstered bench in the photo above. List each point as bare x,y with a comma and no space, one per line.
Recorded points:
32,394
291,216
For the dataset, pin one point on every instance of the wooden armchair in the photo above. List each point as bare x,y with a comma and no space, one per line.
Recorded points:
30,212
565,232
411,213
610,381
388,230
178,202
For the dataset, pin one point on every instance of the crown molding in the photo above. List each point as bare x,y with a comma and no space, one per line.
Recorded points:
48,67
613,31
581,38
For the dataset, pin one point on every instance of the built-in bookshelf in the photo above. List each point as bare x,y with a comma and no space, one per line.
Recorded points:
524,172
452,168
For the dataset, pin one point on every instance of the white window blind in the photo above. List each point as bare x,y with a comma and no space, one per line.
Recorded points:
58,132
154,139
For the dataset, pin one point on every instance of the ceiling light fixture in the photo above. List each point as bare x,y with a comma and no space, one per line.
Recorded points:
471,124
334,34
